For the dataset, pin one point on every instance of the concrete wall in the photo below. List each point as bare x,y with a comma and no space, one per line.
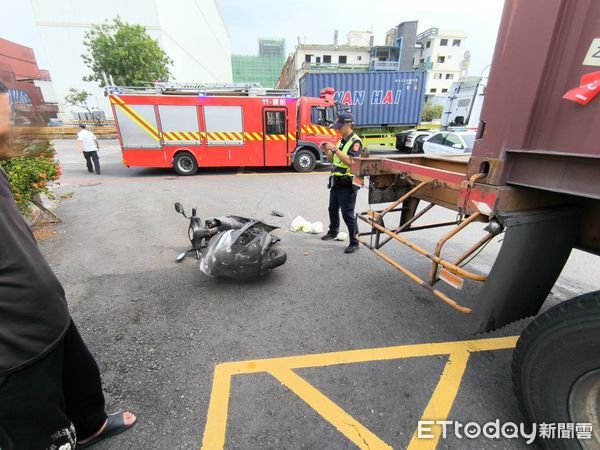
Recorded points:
197,41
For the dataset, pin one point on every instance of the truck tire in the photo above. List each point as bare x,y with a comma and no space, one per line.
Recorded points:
184,164
304,161
556,369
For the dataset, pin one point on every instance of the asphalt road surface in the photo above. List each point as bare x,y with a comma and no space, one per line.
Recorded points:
159,329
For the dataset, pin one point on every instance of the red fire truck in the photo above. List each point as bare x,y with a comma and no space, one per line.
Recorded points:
187,126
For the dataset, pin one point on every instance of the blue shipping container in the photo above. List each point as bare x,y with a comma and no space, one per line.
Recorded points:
374,98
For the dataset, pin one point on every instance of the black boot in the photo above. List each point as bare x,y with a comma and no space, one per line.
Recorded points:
352,247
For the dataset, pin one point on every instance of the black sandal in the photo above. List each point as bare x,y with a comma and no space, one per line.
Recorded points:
115,425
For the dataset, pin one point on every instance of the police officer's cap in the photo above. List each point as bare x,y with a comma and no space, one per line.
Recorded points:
342,119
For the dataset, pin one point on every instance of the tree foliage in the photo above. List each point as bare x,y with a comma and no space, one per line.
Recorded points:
432,112
125,53
79,98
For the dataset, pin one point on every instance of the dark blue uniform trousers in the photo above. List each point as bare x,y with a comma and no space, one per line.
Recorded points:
344,198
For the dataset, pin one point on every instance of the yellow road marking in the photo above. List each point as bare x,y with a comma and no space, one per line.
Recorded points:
281,368
332,413
442,399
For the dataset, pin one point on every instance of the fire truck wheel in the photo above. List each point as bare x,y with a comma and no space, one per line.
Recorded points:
305,161
556,370
184,163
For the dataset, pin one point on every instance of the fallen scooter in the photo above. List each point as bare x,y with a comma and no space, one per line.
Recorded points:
232,246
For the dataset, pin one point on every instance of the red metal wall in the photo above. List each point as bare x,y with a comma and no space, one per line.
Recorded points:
531,135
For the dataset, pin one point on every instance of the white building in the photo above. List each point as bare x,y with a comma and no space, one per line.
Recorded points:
192,33
352,56
443,54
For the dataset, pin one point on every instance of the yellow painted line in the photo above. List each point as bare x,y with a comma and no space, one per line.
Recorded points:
291,137
441,401
216,421
257,135
203,134
281,368
372,354
273,137
196,135
214,136
332,413
248,135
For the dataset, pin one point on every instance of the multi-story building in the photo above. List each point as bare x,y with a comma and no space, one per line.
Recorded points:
264,68
193,34
443,54
403,39
327,58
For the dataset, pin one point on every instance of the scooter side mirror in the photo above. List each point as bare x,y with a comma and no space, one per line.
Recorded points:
179,208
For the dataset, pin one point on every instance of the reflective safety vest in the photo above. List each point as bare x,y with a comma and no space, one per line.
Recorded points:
339,167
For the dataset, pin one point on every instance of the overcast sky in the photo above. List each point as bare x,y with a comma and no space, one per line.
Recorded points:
314,21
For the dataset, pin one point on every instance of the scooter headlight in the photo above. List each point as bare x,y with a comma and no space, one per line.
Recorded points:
191,233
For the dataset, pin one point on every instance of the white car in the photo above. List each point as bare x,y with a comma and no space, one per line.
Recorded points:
448,142
406,139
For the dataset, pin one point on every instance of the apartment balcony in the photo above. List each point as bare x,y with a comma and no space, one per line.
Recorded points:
333,67
424,66
389,66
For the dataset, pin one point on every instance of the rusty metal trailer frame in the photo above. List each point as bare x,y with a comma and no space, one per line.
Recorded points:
406,180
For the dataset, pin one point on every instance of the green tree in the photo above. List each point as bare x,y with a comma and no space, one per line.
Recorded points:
125,54
431,112
78,98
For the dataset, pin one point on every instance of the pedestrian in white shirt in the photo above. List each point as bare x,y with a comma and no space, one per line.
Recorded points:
88,145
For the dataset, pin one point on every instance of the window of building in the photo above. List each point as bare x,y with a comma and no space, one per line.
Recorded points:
437,76
449,76
326,58
444,90
342,59
318,59
422,60
224,119
441,59
359,58
432,90
307,58
456,43
428,44
443,42
449,57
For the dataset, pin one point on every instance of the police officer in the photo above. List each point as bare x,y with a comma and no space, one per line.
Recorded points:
342,194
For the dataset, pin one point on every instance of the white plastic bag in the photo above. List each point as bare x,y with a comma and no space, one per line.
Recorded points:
316,227
300,224
341,236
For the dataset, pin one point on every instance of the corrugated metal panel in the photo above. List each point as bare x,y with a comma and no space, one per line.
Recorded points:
375,99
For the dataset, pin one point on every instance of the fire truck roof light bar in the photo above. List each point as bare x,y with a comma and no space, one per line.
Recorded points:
204,89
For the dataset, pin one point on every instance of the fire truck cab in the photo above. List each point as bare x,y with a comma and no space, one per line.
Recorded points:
190,126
